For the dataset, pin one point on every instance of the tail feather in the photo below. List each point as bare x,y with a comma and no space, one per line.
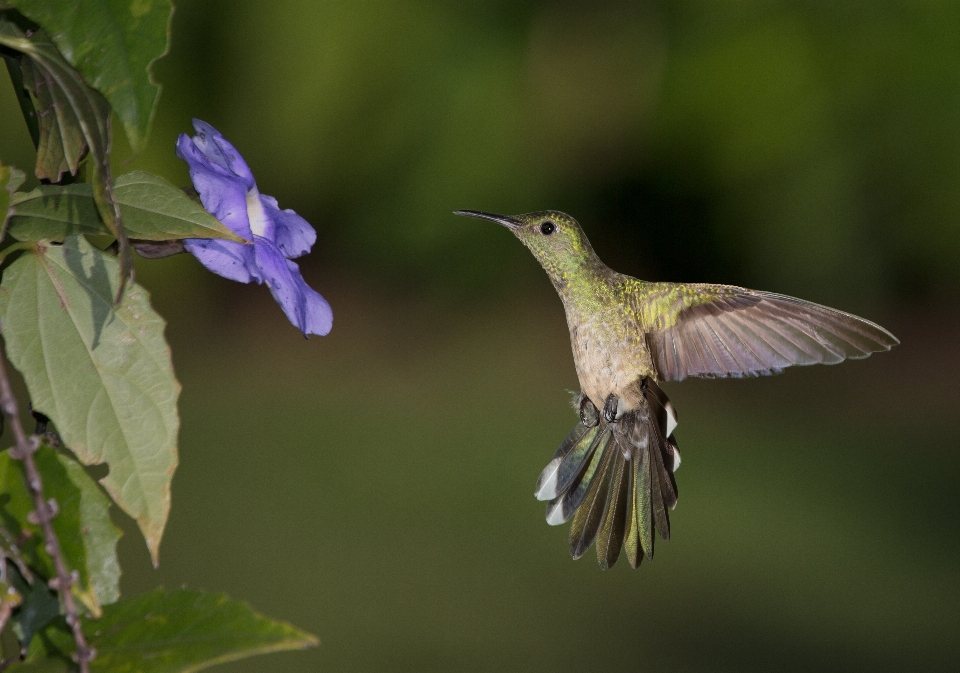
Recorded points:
643,499
561,508
632,540
586,520
671,461
567,461
661,518
613,527
572,469
616,481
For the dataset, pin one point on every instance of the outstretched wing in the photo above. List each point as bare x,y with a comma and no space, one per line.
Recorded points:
715,331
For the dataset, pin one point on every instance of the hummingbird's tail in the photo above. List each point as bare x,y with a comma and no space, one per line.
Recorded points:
616,480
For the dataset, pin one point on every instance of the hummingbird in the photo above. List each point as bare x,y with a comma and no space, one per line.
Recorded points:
614,473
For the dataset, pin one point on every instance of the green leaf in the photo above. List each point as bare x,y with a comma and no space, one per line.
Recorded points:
10,179
73,118
10,598
94,553
88,539
16,179
23,98
177,631
54,212
152,209
41,666
100,371
39,608
9,546
113,44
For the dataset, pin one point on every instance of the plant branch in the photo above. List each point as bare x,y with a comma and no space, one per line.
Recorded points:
45,510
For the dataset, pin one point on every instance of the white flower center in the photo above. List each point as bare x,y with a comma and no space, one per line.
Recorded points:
256,214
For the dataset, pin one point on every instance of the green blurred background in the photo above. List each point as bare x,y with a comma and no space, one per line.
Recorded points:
375,486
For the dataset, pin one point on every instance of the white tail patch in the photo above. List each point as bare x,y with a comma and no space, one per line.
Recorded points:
676,458
671,423
547,483
555,515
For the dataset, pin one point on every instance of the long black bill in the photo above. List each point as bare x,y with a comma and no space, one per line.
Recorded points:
505,220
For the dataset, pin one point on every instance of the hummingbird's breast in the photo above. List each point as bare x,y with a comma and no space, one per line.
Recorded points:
611,354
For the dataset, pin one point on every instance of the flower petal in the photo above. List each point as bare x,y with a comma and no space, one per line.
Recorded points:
317,312
232,260
222,193
292,234
303,306
220,152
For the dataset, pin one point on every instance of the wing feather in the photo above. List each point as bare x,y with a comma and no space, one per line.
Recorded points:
725,331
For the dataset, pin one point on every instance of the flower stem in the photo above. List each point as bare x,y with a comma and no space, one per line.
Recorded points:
23,449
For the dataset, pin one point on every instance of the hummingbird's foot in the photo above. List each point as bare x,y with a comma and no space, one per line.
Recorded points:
610,408
589,415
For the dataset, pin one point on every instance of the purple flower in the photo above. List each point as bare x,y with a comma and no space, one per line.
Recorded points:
227,189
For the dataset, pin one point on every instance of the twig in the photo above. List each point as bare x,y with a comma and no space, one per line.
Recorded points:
23,449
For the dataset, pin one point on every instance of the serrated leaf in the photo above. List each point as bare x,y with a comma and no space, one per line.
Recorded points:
177,631
88,539
113,44
101,372
152,209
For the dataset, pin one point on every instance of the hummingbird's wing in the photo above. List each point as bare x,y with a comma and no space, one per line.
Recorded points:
715,331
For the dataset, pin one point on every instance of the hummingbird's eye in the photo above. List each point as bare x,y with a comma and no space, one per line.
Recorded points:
547,228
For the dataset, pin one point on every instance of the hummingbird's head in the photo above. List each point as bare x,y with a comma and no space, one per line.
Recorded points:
554,238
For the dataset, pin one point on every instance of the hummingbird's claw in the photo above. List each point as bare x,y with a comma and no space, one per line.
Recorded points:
589,415
610,408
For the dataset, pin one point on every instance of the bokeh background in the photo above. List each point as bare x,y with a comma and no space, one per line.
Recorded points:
375,486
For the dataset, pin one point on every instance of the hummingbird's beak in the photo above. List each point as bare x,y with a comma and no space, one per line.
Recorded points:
507,221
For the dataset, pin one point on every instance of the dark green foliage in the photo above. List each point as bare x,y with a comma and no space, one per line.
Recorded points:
113,45
152,209
94,359
88,538
117,407
173,631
